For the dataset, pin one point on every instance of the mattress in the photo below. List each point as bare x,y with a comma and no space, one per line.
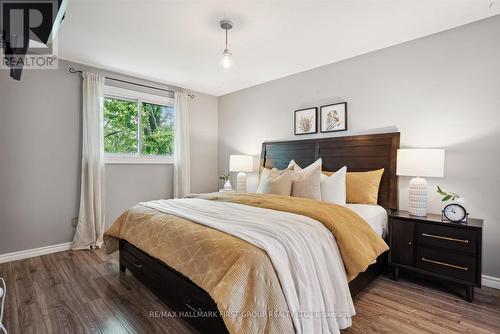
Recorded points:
374,215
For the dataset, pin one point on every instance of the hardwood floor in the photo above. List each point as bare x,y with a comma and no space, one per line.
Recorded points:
80,292
83,292
414,305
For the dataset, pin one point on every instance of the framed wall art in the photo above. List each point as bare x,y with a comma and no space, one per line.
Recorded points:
333,117
305,121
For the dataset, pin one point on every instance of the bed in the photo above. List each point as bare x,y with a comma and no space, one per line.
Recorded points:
359,153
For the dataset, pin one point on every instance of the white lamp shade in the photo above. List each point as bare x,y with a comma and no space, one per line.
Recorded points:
240,163
420,162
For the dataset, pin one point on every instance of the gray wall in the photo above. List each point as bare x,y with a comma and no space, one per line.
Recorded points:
441,91
40,129
129,184
39,159
203,142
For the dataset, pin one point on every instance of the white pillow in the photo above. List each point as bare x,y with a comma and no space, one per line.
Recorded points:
263,177
333,187
306,182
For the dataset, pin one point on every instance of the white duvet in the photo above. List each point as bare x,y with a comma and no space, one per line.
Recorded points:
303,252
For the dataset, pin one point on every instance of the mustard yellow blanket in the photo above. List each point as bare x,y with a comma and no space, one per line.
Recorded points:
240,276
359,245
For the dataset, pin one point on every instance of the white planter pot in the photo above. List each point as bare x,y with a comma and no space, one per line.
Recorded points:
227,185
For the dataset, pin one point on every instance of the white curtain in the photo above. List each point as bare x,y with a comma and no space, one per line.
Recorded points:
90,229
182,178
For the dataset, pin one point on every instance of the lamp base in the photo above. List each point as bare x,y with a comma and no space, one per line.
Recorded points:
417,205
241,185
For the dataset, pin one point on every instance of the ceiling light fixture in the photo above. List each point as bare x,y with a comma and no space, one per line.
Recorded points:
226,62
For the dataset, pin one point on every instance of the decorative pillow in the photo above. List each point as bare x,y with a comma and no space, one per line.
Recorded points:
263,176
362,187
333,187
276,182
306,182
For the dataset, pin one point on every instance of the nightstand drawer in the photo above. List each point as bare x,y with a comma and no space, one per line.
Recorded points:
453,265
452,238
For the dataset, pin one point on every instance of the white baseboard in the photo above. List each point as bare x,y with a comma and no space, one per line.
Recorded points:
34,252
490,281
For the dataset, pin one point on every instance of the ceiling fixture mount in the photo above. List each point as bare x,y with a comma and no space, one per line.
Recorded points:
226,61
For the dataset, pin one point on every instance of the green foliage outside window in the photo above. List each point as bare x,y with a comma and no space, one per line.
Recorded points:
121,123
157,129
120,126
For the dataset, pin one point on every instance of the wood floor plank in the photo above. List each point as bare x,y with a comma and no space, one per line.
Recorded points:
75,308
427,308
438,311
444,304
84,292
11,319
30,315
105,318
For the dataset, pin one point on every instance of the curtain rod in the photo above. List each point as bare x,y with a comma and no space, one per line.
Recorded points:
72,70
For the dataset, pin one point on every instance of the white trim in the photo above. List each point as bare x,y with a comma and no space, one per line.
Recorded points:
25,254
123,93
139,98
490,281
123,159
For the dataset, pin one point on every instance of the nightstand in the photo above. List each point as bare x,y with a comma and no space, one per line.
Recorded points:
443,250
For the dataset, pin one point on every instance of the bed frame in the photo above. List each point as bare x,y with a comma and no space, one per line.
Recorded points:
359,153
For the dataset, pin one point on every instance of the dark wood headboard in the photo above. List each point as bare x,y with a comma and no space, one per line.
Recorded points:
358,153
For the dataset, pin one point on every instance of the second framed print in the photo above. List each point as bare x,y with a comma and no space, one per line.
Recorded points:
333,117
305,121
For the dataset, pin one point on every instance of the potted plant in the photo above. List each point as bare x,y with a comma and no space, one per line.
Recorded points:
227,183
450,196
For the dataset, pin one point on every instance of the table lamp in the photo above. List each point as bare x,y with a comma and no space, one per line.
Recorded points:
241,164
419,163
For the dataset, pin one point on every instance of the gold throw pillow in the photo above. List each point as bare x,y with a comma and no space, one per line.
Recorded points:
362,187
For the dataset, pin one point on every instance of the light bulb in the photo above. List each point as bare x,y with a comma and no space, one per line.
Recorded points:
226,61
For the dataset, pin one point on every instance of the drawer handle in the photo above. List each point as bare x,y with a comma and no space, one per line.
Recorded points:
138,265
445,264
465,241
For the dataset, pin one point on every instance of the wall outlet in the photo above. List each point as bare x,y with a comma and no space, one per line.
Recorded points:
74,221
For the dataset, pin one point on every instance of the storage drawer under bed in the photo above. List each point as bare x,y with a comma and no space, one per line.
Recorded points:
183,295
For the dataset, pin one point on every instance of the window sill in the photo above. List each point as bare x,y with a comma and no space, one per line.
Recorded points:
137,160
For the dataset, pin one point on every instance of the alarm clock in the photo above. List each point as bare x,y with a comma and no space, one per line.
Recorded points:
455,213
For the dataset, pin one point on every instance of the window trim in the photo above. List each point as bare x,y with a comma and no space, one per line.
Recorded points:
139,97
123,93
122,159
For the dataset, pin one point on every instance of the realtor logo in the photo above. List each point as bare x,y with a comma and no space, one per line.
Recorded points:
27,33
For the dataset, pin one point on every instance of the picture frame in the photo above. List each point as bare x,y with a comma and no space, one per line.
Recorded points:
305,121
333,117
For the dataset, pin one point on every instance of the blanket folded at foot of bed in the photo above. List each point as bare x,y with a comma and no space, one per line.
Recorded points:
239,275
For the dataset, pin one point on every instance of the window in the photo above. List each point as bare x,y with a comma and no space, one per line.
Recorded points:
138,127
157,129
120,126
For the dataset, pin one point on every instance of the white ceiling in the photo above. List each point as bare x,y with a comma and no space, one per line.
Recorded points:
180,43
